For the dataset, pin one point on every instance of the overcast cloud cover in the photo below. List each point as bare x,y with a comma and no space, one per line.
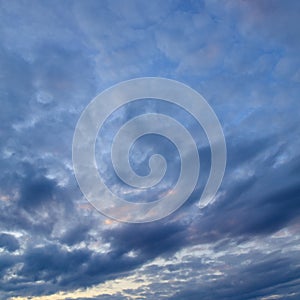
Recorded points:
243,57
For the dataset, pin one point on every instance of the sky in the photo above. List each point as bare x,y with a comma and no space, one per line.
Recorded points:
242,57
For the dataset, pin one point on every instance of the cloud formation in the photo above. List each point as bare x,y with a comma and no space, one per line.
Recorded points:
243,57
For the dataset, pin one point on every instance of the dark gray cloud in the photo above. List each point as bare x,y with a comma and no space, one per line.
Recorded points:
9,242
274,276
6,261
77,234
149,240
37,204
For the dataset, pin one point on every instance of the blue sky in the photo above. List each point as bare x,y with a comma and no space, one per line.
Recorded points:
243,57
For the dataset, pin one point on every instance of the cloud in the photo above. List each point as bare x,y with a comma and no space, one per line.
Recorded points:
6,261
243,57
148,240
9,242
36,192
270,275
77,234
